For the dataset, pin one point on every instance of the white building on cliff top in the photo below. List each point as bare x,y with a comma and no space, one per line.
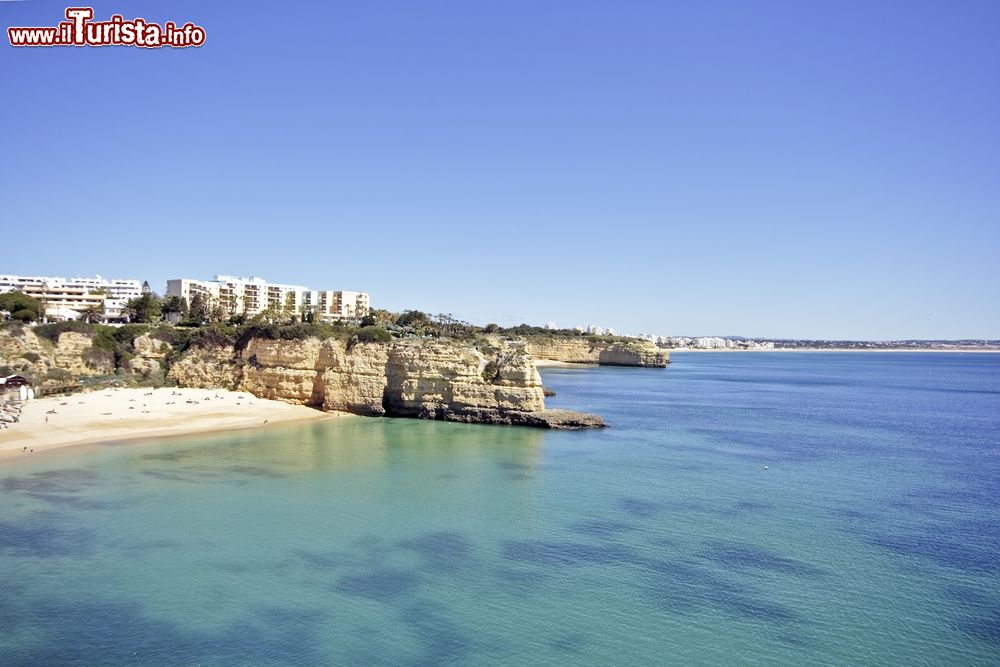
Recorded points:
65,298
253,295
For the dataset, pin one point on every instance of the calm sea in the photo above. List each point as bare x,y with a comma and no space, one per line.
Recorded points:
743,509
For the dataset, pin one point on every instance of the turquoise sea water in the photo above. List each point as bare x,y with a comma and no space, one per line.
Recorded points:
873,537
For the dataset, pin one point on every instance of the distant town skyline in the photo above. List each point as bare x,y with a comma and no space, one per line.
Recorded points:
788,170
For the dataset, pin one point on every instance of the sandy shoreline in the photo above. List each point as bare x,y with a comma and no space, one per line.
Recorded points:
546,363
124,414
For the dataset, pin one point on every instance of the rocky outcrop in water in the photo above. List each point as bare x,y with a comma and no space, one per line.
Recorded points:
581,350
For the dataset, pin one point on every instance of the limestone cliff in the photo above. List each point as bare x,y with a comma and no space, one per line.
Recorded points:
495,382
150,356
411,378
206,368
581,350
56,364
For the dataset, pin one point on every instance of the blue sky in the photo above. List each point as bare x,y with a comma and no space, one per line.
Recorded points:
820,169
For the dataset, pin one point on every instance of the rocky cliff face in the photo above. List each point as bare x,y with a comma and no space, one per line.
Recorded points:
72,356
150,355
583,351
206,368
22,352
430,379
410,378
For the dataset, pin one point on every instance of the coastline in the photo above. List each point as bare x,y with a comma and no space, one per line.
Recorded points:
552,363
83,418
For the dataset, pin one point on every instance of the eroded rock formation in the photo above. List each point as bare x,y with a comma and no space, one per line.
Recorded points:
71,356
495,383
581,350
407,378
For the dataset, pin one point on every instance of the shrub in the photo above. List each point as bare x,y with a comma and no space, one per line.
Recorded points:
214,335
104,339
15,327
99,358
23,315
373,334
123,359
60,374
163,333
294,331
173,336
491,373
51,332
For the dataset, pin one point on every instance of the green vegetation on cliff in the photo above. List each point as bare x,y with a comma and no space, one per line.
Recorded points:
21,307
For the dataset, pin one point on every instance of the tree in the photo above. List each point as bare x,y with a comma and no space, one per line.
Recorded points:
271,314
92,313
307,313
413,318
21,306
145,308
172,305
218,312
380,317
198,312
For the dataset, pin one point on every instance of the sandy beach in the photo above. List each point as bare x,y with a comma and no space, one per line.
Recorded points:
546,363
123,414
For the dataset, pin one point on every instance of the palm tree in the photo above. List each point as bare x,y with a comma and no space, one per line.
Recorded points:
92,312
131,311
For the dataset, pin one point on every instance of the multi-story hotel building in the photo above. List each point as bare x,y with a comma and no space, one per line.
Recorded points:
239,295
66,298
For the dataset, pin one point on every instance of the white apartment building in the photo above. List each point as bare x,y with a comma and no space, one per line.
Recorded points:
340,305
241,295
65,298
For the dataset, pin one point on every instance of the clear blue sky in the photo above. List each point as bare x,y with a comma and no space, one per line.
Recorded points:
803,169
